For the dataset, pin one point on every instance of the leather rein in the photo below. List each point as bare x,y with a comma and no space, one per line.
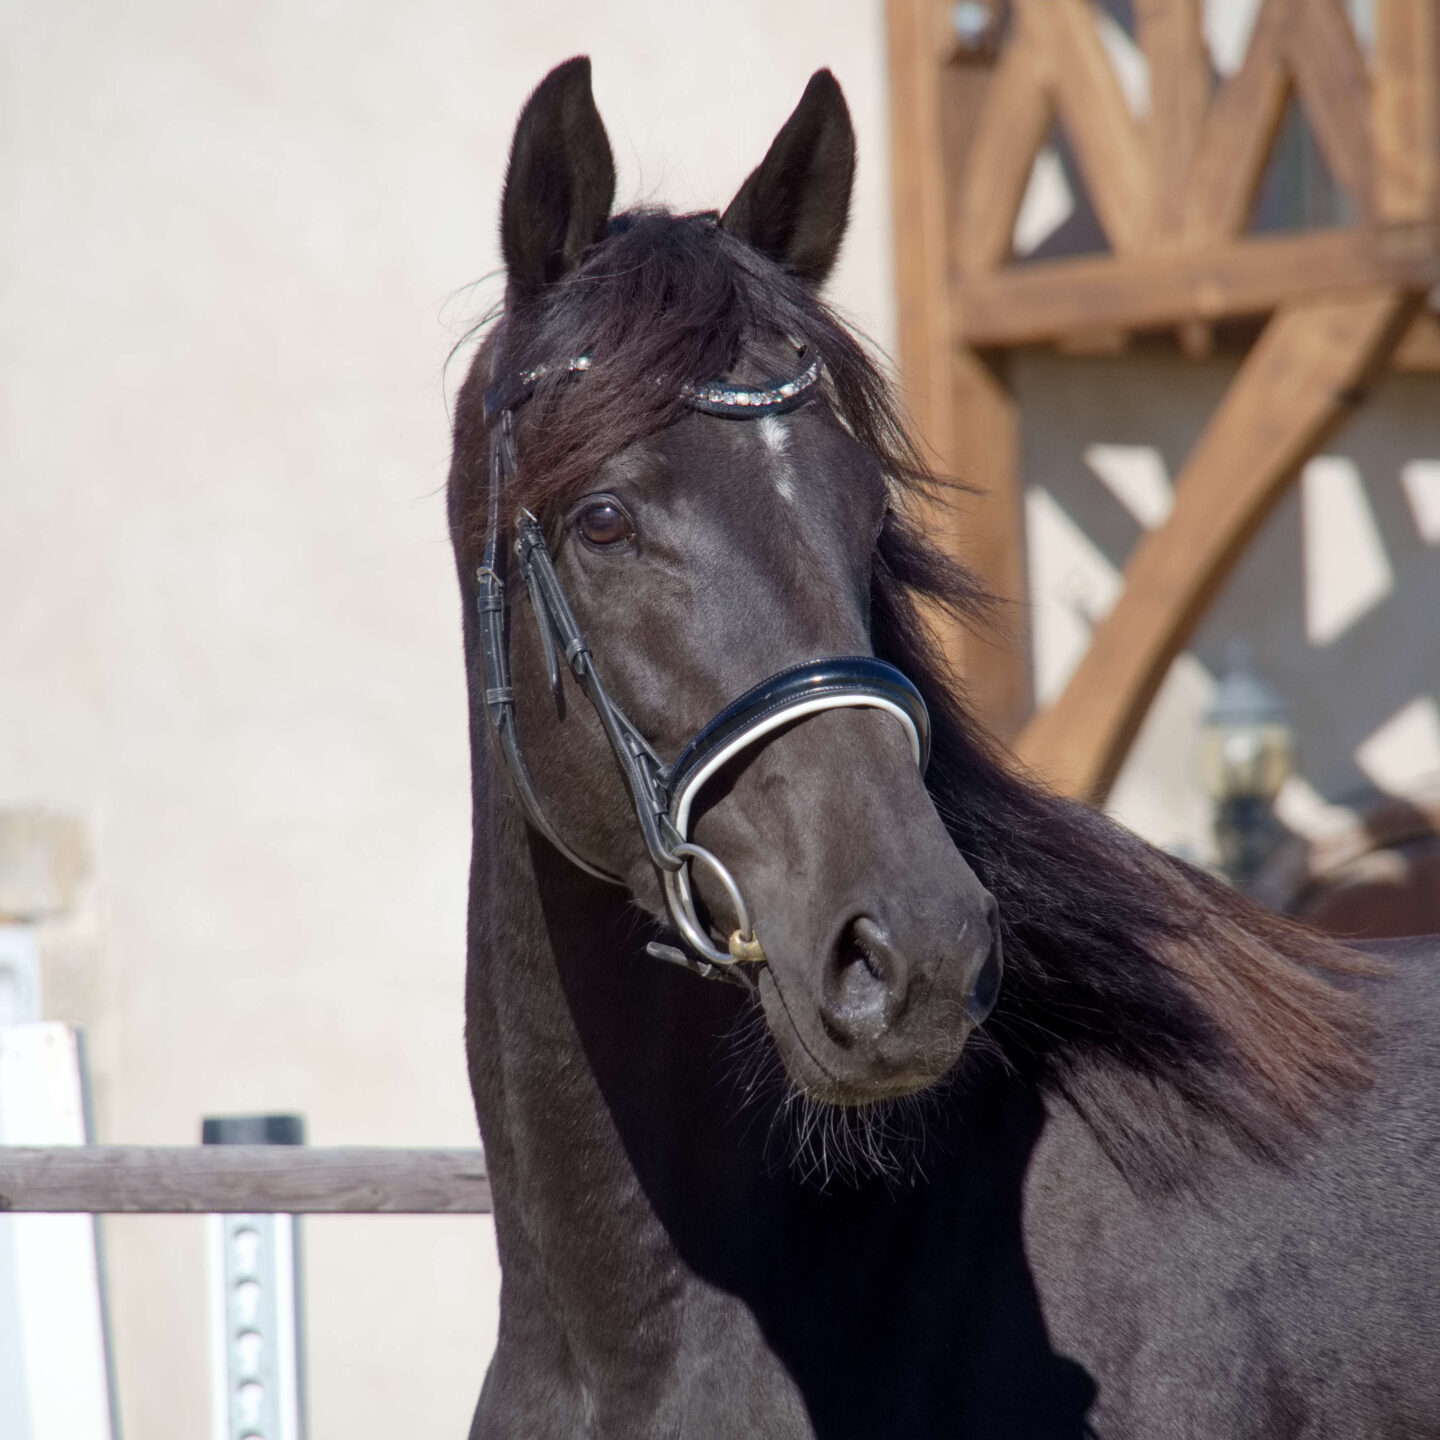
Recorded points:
663,795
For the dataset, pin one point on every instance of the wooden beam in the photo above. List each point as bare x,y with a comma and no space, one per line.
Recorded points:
918,187
1107,143
243,1179
987,534
1407,110
1334,90
1035,304
1239,133
1302,379
961,408
1171,34
1419,349
1008,130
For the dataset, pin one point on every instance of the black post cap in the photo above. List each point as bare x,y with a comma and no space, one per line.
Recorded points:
253,1130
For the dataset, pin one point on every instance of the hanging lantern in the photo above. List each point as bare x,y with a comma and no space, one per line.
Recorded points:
1247,746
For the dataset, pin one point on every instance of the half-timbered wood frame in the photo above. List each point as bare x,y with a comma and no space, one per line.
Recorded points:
1174,192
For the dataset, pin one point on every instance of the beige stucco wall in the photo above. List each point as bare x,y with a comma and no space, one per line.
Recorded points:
236,242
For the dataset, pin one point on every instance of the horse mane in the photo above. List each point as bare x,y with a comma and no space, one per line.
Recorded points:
1171,1012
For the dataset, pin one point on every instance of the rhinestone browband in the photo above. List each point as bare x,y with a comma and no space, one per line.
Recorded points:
712,398
778,395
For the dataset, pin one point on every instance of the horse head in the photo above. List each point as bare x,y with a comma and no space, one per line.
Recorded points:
701,551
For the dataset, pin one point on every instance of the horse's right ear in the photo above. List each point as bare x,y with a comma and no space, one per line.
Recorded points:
795,204
560,182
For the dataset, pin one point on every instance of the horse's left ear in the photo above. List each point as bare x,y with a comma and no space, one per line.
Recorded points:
795,205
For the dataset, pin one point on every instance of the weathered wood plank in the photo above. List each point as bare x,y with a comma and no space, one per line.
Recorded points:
245,1179
1303,378
1252,276
1334,90
1172,37
1407,110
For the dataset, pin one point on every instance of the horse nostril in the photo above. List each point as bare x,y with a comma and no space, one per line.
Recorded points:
858,949
986,989
864,981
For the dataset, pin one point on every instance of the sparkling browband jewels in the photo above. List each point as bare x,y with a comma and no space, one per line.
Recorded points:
715,393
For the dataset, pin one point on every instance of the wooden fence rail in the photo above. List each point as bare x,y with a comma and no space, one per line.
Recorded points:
243,1179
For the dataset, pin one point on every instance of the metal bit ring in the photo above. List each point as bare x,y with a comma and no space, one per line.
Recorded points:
742,945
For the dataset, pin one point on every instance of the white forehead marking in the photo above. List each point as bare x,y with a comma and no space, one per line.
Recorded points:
776,439
773,433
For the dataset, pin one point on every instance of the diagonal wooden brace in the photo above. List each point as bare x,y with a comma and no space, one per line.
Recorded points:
1300,382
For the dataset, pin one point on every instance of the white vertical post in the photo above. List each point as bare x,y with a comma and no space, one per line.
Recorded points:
54,1362
257,1383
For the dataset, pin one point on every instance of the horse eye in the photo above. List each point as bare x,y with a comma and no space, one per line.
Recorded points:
604,524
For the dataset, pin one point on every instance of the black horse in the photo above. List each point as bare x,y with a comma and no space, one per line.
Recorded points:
1183,1181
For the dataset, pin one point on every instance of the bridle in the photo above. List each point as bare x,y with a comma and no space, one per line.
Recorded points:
663,795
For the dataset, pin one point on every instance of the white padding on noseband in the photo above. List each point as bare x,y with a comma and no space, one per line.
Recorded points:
678,882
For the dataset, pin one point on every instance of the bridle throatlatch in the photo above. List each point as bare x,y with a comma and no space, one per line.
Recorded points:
663,795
